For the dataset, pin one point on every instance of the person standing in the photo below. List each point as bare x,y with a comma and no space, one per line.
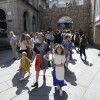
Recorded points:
83,43
40,49
68,48
13,43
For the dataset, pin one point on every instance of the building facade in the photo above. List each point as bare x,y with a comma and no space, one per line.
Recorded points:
78,16
96,35
19,16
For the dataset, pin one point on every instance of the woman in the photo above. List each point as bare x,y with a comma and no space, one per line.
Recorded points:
83,43
41,49
68,49
23,44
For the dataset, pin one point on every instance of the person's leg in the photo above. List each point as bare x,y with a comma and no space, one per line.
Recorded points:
37,77
23,73
14,49
84,52
44,72
60,91
81,51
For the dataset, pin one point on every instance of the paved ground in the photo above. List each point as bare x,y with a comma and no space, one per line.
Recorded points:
83,80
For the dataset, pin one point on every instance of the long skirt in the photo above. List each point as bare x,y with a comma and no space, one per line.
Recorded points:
57,82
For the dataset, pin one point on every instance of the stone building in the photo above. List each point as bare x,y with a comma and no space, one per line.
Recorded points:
78,14
19,16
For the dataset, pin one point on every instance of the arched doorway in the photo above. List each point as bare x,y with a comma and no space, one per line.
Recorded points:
3,24
26,22
34,24
64,22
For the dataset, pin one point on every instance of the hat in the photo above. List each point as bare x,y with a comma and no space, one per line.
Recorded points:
27,35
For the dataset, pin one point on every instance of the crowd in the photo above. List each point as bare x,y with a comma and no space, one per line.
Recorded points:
39,46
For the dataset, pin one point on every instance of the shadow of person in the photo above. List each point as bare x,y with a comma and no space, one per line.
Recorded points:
21,85
73,61
86,62
58,97
70,77
7,63
41,93
78,51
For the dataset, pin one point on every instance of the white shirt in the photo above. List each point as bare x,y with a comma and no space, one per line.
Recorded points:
22,46
59,71
12,39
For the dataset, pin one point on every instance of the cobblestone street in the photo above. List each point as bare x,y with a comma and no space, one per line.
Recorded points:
83,79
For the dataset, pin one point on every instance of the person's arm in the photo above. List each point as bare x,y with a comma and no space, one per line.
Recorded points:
19,44
26,43
59,65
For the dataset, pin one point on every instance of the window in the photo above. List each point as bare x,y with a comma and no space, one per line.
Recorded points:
34,24
98,10
3,24
26,24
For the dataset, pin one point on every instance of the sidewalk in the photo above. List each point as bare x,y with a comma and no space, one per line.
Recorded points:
83,79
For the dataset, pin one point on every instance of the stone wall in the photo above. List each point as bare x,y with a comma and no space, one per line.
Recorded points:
79,14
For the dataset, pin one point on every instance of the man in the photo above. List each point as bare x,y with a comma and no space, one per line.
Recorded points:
13,43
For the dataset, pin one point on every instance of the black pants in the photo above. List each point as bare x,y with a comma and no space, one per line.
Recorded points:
82,50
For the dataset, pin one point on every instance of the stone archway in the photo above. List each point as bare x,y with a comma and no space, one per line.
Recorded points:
64,22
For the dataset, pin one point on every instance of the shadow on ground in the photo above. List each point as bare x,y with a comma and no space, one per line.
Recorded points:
86,62
70,77
58,97
21,85
41,93
7,63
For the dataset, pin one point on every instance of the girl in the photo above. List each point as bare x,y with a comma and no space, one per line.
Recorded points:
25,64
58,73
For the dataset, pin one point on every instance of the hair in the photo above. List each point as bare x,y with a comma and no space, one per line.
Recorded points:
40,34
31,34
24,53
59,46
83,39
67,36
23,38
12,32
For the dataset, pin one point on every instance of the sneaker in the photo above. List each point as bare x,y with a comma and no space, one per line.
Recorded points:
57,88
21,79
29,74
60,92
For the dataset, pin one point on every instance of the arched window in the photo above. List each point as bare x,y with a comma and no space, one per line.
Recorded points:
34,24
3,24
26,22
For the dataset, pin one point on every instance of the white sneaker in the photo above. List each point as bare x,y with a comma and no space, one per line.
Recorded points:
60,92
29,74
21,79
57,88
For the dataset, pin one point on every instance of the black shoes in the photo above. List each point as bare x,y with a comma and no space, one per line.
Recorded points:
35,85
44,78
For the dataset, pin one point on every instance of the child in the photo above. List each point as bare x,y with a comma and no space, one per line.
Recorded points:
25,64
58,73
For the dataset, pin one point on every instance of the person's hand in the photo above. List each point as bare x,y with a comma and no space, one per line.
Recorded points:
45,57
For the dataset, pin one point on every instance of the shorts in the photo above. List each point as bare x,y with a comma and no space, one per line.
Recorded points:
37,63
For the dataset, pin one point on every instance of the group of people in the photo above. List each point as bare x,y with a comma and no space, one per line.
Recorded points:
39,46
